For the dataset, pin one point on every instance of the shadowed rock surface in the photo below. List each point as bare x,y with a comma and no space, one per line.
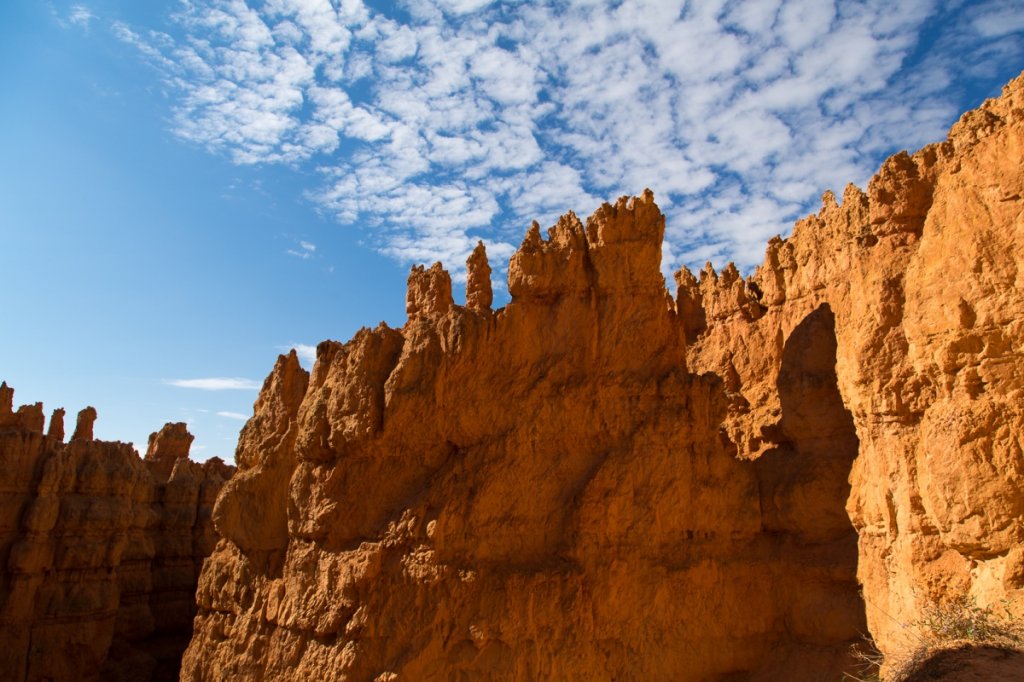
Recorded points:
967,663
101,549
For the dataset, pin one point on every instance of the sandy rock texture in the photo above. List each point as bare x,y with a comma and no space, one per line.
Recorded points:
101,549
602,482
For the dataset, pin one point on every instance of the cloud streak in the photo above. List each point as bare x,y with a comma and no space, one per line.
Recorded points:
215,384
80,15
77,15
305,250
444,123
234,415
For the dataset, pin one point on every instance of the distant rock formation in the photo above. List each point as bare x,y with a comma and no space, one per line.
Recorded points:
100,548
600,482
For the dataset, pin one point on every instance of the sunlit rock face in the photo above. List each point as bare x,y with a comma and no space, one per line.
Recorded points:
101,549
600,481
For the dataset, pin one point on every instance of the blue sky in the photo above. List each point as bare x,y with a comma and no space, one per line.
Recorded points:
187,190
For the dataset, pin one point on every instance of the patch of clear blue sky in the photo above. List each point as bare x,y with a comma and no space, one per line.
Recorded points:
130,257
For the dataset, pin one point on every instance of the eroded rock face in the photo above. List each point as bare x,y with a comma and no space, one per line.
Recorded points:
101,551
539,492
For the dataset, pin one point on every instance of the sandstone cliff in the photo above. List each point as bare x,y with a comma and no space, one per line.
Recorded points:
101,549
601,482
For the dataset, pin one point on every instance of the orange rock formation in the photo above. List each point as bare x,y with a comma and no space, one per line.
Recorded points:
601,482
101,549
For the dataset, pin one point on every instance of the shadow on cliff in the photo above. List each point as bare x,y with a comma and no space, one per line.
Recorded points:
804,484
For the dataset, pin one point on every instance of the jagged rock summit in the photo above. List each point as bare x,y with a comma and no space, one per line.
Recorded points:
599,481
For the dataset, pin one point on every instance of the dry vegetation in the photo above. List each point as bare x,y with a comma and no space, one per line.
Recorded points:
957,626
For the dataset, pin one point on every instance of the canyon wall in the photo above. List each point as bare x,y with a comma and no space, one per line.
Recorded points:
101,548
599,481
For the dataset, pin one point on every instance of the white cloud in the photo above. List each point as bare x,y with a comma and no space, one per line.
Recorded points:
999,19
463,6
233,415
465,119
304,251
77,15
80,15
215,384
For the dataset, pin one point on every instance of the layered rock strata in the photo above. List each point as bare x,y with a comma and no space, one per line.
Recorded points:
599,481
101,549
